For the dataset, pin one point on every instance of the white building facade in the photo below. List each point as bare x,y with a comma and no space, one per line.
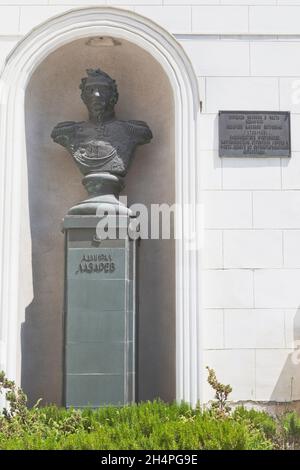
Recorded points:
238,293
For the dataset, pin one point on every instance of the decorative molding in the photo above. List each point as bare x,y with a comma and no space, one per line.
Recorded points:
18,69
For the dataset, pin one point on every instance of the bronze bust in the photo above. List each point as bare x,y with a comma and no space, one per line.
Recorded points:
103,146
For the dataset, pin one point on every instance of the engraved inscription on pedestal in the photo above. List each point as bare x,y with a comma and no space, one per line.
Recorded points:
100,321
254,134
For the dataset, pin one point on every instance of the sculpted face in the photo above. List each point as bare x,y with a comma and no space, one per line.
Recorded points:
99,93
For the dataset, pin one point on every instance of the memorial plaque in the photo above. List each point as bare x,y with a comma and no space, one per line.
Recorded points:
254,134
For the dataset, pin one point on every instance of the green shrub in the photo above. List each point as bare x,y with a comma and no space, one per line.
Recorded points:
257,419
289,431
150,425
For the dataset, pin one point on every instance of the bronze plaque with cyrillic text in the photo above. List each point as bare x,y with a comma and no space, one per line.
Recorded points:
254,134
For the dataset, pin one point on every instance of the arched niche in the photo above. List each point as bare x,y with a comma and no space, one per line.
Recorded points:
53,95
39,183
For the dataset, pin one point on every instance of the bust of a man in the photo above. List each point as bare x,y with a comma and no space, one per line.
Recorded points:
103,146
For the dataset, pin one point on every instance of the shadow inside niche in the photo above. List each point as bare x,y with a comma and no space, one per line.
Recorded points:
54,185
42,330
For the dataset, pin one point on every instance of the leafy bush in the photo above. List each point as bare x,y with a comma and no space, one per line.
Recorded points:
149,425
259,420
289,431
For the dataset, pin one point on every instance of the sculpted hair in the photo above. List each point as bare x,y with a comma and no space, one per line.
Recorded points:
99,76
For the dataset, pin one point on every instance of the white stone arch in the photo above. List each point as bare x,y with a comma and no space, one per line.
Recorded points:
18,69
